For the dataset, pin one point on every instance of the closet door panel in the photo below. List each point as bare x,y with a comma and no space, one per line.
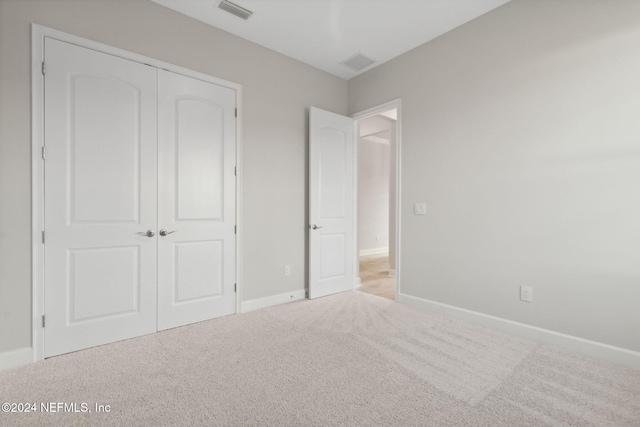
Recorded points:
100,193
196,248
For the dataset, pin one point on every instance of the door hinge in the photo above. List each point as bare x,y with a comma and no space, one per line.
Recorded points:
43,237
235,171
236,112
44,68
235,229
43,320
44,152
235,287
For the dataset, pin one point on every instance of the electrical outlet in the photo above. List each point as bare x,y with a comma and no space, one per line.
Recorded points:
420,209
287,270
526,293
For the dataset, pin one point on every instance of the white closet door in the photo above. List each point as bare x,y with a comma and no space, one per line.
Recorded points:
196,202
101,180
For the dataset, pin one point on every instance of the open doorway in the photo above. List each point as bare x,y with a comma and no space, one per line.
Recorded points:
377,146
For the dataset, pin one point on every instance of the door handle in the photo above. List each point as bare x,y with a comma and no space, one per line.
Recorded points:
164,232
148,233
315,227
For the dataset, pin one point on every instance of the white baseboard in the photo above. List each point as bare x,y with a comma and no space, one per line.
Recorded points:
357,282
257,304
15,358
374,251
392,273
546,336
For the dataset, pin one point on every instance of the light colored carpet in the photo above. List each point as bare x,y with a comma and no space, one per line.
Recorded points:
350,359
374,275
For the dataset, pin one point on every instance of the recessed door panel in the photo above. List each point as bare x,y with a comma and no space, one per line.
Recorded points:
100,192
333,172
200,155
199,268
103,282
332,256
104,154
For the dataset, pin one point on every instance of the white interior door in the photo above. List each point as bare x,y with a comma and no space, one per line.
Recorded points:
331,202
196,260
100,174
139,202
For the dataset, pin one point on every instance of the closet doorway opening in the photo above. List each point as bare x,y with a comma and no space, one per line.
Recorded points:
377,200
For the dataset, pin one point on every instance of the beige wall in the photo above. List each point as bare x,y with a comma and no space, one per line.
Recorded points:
276,93
521,132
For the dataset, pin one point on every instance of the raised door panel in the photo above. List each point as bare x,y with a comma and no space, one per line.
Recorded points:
333,173
104,149
198,270
199,149
332,256
103,283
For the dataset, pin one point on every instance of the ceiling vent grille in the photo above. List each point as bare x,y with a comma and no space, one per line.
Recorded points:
234,9
357,62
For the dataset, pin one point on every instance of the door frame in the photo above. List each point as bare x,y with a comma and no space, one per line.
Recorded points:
38,34
365,114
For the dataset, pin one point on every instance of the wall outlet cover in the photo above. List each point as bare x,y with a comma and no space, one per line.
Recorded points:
420,209
526,293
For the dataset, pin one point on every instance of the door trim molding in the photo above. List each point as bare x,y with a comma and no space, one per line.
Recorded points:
370,112
38,34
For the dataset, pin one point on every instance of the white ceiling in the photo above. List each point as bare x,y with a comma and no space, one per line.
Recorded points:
323,33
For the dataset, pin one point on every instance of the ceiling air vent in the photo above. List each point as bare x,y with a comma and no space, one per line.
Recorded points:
357,62
234,9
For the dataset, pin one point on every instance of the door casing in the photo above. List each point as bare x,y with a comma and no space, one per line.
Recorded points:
37,163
